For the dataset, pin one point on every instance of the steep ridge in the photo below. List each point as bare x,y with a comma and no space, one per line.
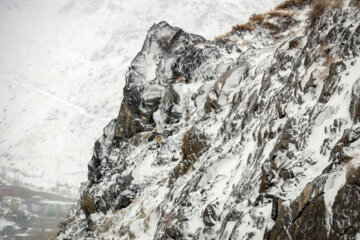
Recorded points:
254,135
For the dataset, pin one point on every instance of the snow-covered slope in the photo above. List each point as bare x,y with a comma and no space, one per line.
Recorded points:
254,135
62,67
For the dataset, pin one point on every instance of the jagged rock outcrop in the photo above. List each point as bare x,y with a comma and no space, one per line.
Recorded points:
251,136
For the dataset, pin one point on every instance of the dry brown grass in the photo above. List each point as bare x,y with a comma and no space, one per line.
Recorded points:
281,11
260,18
317,10
337,3
292,4
242,27
279,14
257,18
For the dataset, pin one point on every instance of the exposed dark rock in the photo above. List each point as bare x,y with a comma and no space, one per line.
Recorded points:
330,84
346,217
354,108
274,211
349,136
304,218
133,104
194,145
210,216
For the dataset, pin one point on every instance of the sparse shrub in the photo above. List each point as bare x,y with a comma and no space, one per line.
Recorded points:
242,27
292,4
257,18
317,10
281,14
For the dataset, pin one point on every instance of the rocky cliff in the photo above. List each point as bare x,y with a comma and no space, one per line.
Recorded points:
254,135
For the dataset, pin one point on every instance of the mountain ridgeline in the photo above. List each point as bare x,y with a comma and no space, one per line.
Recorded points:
253,135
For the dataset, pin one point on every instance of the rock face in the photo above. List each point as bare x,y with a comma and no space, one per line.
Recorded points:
251,136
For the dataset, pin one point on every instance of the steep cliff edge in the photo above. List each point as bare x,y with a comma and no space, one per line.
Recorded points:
254,135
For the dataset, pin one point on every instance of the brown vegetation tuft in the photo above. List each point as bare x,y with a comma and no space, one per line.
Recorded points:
317,10
257,17
293,4
281,14
242,27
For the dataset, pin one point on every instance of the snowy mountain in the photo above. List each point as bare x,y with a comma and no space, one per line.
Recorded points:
253,135
62,72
